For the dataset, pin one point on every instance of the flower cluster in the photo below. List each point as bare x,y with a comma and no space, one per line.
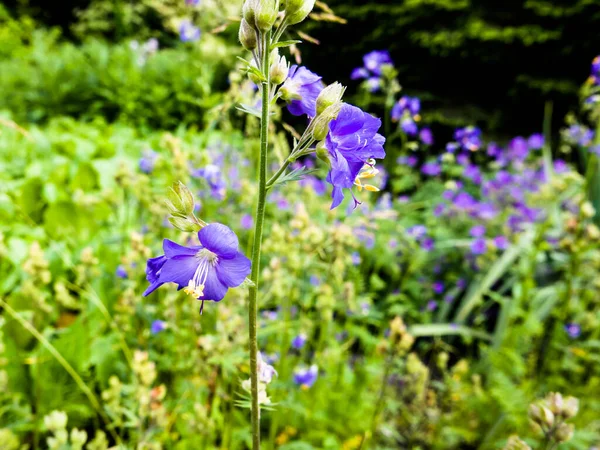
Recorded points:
374,64
406,112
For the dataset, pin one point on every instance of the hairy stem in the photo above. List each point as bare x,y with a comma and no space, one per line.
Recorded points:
258,231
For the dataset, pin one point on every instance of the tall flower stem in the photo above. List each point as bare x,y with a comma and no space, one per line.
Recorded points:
258,231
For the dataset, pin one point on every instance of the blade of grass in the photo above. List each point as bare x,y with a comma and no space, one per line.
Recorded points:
446,329
65,364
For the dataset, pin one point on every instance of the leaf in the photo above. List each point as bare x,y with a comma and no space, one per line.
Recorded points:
285,43
294,175
248,110
444,329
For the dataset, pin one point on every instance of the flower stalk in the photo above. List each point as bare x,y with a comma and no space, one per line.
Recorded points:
258,231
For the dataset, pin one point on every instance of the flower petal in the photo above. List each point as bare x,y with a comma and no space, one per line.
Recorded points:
173,249
179,270
220,240
233,272
213,288
153,267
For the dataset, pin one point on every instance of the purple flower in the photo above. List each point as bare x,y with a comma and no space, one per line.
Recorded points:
432,305
573,330
431,169
461,283
477,231
314,280
352,142
299,341
359,73
188,32
428,244
355,258
417,231
247,222
535,141
580,135
306,377
301,90
560,166
375,60
214,177
410,161
596,66
206,271
438,287
373,84
409,126
147,161
426,136
469,138
406,106
192,2
121,272
158,326
478,246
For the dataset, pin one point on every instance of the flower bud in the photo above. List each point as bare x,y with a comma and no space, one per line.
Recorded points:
320,124
555,402
564,432
249,12
247,36
588,210
180,200
323,153
279,70
299,14
266,14
570,407
331,95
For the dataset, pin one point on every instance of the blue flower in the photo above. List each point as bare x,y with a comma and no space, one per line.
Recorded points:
158,326
469,138
406,106
214,177
205,271
352,142
359,73
192,2
426,136
375,60
121,272
431,169
373,84
147,161
573,330
306,377
247,222
299,341
477,231
300,90
188,32
478,246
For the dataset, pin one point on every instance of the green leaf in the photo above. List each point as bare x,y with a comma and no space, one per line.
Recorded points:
295,175
285,43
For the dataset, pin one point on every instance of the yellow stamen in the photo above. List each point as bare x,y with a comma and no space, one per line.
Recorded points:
371,188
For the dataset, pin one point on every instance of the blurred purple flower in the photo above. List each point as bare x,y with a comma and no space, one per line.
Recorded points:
573,330
478,246
158,326
188,32
431,169
306,377
301,90
121,272
247,222
477,231
501,242
426,136
375,60
299,341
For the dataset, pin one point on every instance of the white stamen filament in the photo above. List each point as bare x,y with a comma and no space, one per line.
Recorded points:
196,285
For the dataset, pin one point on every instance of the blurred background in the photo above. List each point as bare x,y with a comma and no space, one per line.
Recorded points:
456,307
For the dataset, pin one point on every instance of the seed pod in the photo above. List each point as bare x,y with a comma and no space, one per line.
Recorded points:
248,36
301,13
331,95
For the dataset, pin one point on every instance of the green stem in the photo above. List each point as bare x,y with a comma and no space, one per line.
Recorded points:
258,231
280,172
379,404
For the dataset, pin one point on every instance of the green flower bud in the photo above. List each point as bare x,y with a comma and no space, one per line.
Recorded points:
564,432
570,407
279,70
180,200
249,12
320,124
331,95
323,153
266,14
56,420
588,210
247,36
299,14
